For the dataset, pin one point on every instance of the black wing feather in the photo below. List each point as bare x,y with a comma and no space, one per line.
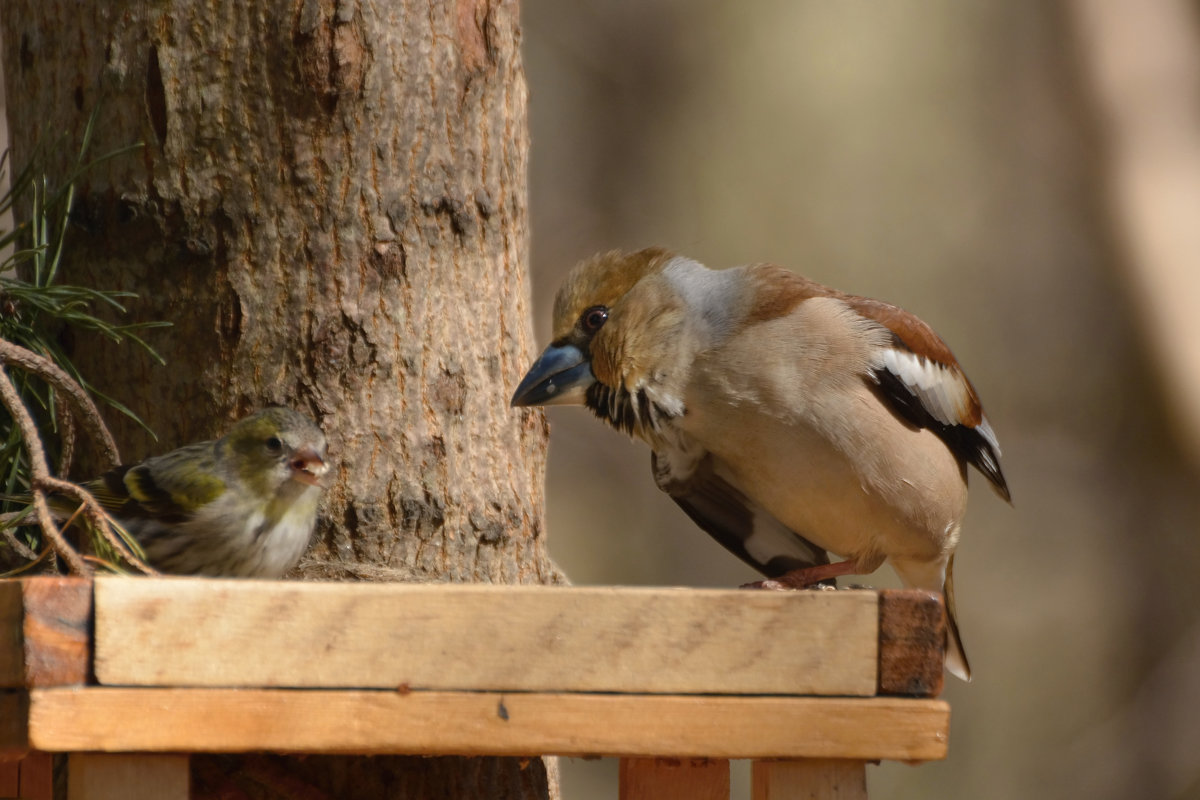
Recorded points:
727,515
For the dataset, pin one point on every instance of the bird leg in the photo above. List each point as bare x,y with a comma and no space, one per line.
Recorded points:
807,576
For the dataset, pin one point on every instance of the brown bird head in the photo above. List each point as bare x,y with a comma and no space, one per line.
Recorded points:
613,322
582,307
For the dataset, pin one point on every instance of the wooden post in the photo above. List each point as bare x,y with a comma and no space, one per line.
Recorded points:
674,779
103,776
28,778
10,777
37,777
809,779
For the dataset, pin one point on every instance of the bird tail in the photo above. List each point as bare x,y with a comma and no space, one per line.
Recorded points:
937,577
956,656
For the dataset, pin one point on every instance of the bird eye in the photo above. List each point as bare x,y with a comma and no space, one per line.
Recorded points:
594,318
274,444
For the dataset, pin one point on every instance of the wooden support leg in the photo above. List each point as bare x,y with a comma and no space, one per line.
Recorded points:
10,776
809,779
674,779
37,777
29,778
102,776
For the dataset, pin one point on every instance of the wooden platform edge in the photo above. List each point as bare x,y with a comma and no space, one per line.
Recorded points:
45,640
912,643
485,723
45,632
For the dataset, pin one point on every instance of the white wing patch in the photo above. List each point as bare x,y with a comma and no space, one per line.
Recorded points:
940,390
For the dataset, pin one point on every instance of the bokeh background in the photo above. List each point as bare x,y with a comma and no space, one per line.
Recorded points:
1023,175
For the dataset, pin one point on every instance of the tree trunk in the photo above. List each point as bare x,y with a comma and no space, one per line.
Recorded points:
330,207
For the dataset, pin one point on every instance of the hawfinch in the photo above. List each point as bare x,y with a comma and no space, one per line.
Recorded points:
787,419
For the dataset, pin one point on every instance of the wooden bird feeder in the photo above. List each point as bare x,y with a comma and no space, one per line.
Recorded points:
130,675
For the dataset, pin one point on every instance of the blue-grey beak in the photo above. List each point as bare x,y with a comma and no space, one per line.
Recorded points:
561,375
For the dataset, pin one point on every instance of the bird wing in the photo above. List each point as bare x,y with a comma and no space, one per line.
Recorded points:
697,484
921,381
167,488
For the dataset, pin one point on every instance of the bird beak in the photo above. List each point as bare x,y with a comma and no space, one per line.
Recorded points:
308,467
560,376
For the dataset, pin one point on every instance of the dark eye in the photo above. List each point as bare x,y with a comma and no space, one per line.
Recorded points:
274,445
593,319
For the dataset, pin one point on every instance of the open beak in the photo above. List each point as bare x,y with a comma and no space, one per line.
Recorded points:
308,467
560,376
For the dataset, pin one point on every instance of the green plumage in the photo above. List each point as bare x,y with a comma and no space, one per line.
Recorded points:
243,505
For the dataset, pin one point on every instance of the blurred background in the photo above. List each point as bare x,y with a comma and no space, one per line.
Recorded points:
1025,176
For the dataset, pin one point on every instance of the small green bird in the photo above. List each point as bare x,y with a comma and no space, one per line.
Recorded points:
241,506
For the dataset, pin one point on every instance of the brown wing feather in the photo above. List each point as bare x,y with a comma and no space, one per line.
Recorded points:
914,335
921,381
927,389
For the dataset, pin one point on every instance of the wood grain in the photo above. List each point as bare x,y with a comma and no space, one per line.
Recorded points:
44,631
808,779
480,723
912,642
673,779
101,776
188,632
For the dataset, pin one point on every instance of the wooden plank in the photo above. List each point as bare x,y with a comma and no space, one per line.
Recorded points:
190,632
101,776
45,631
809,779
912,642
481,723
14,714
37,777
674,779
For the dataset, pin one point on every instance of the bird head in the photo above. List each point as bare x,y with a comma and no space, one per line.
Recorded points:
615,325
272,448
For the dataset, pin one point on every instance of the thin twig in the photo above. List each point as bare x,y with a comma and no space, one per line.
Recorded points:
42,480
11,518
84,408
97,516
30,565
16,544
41,473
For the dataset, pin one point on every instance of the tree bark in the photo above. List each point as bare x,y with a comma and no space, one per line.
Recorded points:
330,207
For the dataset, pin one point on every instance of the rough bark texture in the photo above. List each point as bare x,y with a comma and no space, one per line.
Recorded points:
331,208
